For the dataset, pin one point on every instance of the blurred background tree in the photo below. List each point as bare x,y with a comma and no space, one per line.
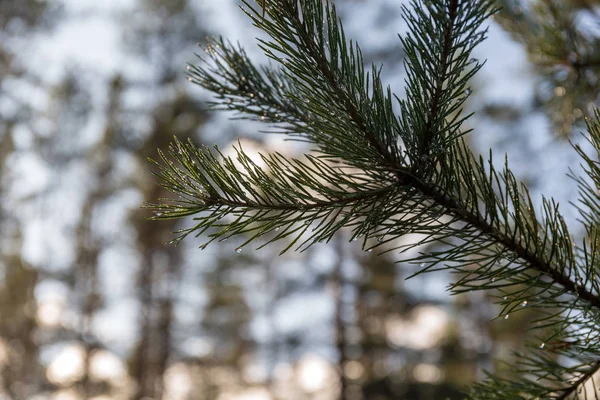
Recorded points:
95,304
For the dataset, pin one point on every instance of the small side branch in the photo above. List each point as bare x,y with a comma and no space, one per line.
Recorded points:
575,387
440,79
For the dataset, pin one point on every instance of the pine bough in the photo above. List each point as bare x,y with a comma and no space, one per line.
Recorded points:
385,175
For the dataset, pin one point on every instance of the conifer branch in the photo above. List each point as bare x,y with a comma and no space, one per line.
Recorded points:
287,197
327,58
307,40
439,66
384,175
440,78
462,212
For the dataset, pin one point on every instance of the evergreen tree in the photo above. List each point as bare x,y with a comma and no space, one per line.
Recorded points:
385,175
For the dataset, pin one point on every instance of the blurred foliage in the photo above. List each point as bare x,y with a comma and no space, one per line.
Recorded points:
562,38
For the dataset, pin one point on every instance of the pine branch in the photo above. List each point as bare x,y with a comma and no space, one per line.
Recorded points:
385,176
462,212
435,103
288,197
316,52
441,76
438,50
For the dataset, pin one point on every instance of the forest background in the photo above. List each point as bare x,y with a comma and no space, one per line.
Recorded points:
95,305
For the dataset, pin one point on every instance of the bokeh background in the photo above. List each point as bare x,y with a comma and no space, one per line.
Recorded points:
95,305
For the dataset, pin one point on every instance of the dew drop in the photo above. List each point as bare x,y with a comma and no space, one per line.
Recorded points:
190,79
262,117
251,94
277,229
524,303
355,239
542,345
505,298
238,250
506,316
369,251
468,91
422,265
188,68
229,101
380,238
